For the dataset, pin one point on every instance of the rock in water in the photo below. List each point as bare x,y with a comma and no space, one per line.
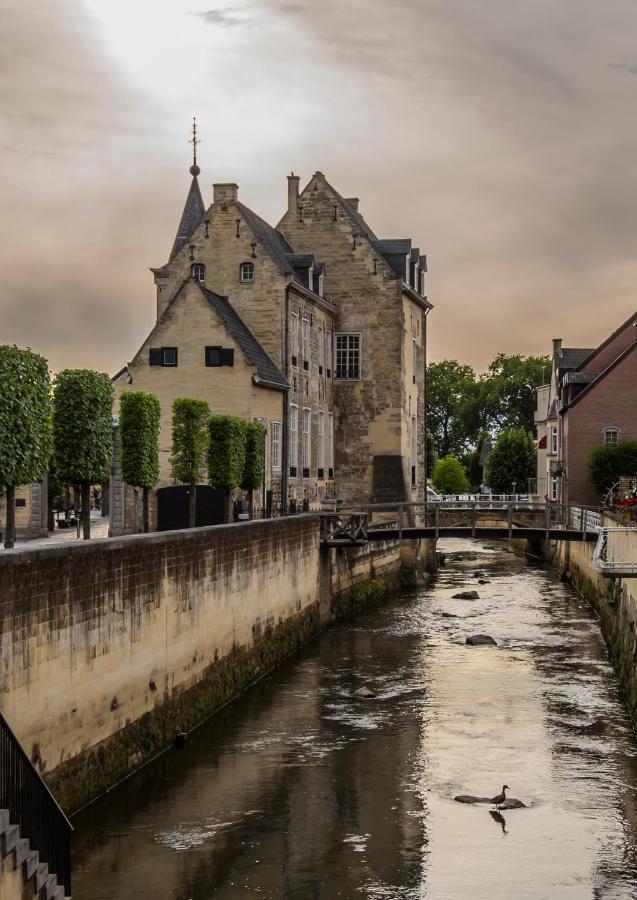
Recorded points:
508,804
482,581
466,595
481,640
365,693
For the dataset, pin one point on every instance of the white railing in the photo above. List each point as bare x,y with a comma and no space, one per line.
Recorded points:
614,568
585,519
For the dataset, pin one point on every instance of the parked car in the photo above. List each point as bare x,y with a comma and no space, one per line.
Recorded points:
432,496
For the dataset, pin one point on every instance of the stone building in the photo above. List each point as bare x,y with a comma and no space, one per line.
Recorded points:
591,400
336,322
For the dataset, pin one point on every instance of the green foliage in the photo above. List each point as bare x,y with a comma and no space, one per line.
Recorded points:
25,416
431,451
139,422
508,392
609,462
189,439
227,452
82,426
513,459
449,476
254,469
471,463
449,387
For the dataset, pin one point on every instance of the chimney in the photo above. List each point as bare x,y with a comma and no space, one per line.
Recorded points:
293,192
557,346
224,193
353,202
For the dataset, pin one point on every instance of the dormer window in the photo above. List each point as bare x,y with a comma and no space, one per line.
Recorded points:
407,267
198,271
310,278
246,273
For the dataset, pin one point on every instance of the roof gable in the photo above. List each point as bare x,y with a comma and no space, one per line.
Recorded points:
193,213
602,375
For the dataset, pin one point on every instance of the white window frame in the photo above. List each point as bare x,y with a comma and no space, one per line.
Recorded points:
321,350
553,438
554,488
330,441
611,430
293,436
359,350
276,434
247,266
305,335
294,338
320,440
200,267
307,439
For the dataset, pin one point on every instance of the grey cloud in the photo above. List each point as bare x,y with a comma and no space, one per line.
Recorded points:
632,70
226,16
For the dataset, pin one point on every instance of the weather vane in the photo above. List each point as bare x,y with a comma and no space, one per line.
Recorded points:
194,140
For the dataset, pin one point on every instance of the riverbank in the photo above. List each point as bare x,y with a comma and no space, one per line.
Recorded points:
615,602
304,788
112,648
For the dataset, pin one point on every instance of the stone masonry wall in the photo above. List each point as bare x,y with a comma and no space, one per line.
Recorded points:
110,648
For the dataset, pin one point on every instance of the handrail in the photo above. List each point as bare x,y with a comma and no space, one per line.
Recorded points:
33,807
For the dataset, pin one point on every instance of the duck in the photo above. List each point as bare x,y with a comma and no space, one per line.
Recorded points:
499,799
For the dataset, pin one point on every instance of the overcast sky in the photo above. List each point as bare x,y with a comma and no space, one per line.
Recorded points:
500,135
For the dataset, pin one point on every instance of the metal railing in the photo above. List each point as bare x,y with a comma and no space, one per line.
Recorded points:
33,808
613,568
585,519
336,529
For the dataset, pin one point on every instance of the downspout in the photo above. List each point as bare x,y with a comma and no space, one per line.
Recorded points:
284,448
424,351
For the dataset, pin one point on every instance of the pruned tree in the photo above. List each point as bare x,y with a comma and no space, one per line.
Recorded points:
83,432
189,446
449,476
610,462
25,424
139,424
227,455
254,469
512,462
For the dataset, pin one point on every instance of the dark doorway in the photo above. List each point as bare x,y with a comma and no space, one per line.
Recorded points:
173,503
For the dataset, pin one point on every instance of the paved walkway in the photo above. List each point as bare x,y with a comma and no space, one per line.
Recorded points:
99,529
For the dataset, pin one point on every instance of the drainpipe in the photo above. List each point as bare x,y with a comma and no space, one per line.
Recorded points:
284,447
424,351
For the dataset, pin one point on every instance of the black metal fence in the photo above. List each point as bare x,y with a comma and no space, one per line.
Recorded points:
32,806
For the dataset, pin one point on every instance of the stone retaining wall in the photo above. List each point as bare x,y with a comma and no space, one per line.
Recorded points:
109,648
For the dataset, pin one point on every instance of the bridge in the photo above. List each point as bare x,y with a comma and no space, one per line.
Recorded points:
486,518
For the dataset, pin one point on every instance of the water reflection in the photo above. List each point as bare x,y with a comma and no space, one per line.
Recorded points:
304,790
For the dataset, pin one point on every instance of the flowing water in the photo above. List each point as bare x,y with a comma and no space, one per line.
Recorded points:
302,790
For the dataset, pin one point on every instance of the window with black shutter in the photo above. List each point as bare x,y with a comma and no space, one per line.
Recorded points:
213,356
227,357
163,356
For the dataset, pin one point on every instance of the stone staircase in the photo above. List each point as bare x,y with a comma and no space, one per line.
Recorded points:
22,875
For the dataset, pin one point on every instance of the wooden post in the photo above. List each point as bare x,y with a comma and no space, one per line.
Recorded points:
437,519
400,522
473,519
510,517
547,519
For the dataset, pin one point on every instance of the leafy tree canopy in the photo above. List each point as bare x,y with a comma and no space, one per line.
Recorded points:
254,469
139,423
513,460
189,439
508,392
25,416
449,386
449,476
227,452
609,462
82,425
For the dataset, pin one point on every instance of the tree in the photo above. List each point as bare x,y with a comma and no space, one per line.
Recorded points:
431,452
449,476
609,462
189,446
254,468
139,423
512,461
227,455
508,392
450,386
83,432
25,424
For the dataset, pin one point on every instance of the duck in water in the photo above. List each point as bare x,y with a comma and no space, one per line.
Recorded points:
499,799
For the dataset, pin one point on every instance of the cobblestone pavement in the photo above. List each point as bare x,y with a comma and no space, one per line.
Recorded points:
99,529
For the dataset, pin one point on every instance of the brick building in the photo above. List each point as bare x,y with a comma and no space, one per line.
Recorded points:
327,328
591,400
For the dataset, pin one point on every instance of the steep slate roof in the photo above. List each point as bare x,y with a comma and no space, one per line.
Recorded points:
193,213
255,354
586,389
629,321
274,242
572,357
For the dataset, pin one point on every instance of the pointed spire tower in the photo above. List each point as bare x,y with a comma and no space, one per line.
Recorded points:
194,210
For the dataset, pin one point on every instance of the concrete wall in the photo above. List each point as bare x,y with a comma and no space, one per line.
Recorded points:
614,599
112,647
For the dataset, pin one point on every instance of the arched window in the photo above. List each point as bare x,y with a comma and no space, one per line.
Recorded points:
611,435
246,273
198,271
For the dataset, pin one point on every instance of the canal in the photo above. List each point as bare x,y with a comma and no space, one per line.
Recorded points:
303,790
